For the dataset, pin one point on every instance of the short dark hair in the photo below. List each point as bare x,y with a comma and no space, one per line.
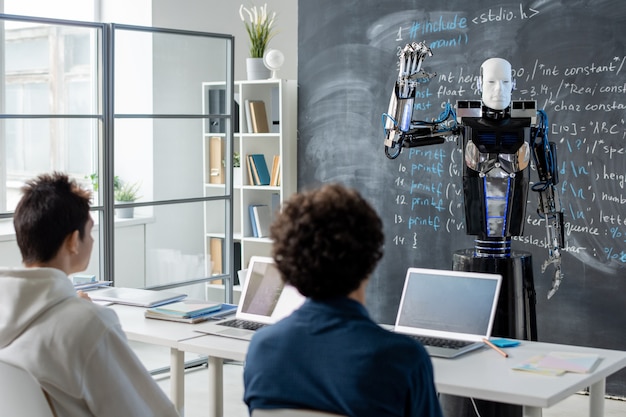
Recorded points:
52,207
327,241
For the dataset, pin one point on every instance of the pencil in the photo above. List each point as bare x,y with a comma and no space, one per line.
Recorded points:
496,348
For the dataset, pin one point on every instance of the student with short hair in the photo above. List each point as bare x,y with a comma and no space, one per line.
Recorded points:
73,347
329,355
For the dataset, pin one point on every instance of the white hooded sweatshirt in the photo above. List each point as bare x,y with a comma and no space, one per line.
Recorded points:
74,348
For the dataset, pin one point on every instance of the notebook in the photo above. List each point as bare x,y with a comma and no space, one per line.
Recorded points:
450,305
136,296
265,299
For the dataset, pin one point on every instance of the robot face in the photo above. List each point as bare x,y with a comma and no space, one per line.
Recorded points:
497,83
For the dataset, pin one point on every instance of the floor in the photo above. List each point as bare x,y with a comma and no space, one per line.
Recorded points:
196,387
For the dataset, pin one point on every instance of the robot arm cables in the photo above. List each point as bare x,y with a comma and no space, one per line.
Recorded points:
544,156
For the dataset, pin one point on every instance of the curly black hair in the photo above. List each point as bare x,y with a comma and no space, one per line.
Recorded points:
327,241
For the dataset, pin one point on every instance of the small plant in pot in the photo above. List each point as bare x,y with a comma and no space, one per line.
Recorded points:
126,193
236,168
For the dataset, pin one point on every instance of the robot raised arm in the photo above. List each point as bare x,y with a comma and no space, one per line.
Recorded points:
400,130
544,156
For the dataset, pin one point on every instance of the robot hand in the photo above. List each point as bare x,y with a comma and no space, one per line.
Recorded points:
544,155
399,129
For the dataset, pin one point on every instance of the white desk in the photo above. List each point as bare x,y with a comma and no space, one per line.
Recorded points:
487,375
161,333
483,374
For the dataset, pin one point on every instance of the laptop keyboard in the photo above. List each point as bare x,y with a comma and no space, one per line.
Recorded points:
441,342
243,324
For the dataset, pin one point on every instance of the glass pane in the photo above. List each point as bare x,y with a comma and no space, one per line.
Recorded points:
27,54
161,73
171,246
60,9
10,256
40,80
94,260
43,145
164,156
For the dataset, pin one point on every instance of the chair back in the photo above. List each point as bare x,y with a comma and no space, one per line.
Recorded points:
20,394
284,412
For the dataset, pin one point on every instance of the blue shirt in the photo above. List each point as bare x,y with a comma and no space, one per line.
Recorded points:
331,356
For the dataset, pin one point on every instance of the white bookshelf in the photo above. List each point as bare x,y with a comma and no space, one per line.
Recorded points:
280,98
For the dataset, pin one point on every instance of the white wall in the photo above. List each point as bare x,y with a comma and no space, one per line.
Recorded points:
222,16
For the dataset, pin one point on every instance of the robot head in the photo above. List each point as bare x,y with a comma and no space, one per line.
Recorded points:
495,83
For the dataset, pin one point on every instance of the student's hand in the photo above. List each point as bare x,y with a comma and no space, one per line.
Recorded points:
83,294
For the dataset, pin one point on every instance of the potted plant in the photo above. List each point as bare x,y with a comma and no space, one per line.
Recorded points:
126,193
260,28
236,169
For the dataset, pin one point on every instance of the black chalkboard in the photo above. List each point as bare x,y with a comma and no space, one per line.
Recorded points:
569,56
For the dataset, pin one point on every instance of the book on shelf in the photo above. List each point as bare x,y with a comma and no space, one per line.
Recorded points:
255,232
262,219
215,251
250,169
275,111
222,310
253,173
216,165
258,116
248,116
275,175
217,105
274,205
260,169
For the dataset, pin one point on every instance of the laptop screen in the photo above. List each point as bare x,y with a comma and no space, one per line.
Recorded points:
265,298
437,302
263,287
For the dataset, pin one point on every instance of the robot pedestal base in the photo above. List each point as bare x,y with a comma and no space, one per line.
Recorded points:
515,318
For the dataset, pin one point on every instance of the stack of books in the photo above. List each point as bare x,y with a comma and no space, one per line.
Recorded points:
258,172
189,311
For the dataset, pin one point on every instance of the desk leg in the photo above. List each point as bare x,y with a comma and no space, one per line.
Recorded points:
596,398
532,411
177,379
216,387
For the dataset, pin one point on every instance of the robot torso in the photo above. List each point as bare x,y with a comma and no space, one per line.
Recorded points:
495,175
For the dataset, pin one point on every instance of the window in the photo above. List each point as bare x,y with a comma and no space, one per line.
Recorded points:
54,90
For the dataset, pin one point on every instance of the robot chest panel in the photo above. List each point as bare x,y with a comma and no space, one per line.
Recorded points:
496,164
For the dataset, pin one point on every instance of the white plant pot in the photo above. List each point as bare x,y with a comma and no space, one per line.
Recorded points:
256,69
125,212
237,176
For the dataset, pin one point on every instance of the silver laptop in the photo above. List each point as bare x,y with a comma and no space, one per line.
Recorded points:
265,299
449,312
136,296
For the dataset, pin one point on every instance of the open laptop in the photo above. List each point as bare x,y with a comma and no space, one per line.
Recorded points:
265,299
455,309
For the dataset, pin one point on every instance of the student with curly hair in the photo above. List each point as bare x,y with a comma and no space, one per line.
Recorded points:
73,347
329,355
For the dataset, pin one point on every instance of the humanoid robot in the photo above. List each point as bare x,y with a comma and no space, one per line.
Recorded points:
499,137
